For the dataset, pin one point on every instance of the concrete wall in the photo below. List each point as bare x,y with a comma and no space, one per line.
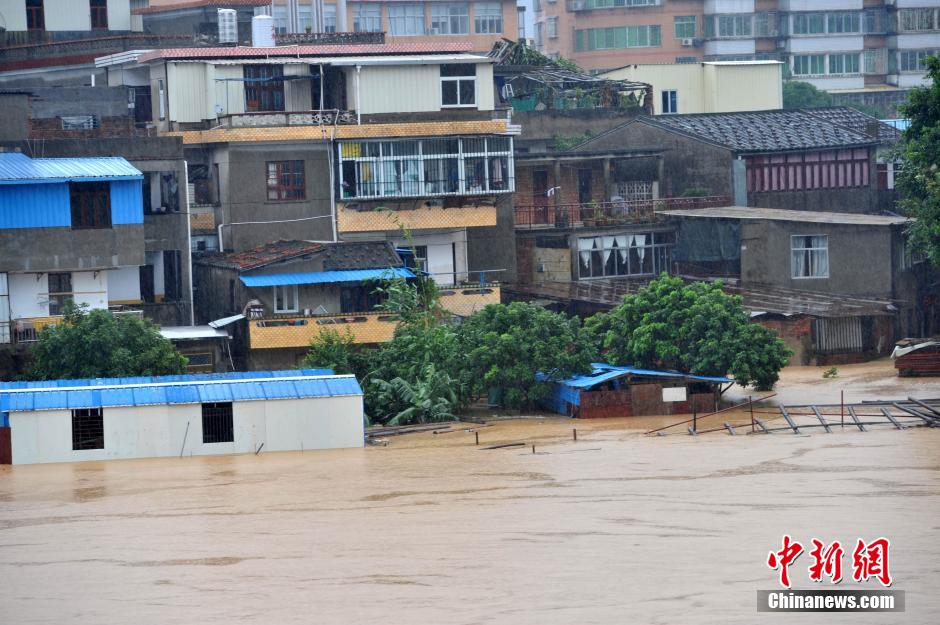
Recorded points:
859,257
494,247
243,186
161,431
64,249
14,123
29,292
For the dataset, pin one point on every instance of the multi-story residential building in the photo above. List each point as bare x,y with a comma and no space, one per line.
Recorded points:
863,50
71,229
480,22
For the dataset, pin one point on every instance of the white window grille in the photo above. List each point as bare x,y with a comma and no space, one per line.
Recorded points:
286,299
367,18
450,19
406,19
488,18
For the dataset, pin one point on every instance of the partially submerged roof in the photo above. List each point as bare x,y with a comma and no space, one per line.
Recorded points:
327,277
285,385
780,214
342,255
321,50
603,372
17,168
765,131
162,379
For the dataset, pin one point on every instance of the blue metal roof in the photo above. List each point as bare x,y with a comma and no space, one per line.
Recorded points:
602,372
187,377
17,168
323,277
289,385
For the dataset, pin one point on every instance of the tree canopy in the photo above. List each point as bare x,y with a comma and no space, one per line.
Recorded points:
801,95
696,328
919,180
99,344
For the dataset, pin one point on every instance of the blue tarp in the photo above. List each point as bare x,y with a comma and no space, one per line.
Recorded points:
184,389
324,277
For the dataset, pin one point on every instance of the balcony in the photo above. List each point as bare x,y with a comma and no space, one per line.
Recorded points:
27,329
607,213
268,119
430,214
365,327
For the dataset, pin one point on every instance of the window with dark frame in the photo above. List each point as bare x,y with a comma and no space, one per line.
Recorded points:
87,429
285,181
458,84
60,292
264,88
217,423
91,204
99,14
35,15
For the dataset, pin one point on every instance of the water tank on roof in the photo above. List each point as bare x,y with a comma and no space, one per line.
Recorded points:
262,31
228,26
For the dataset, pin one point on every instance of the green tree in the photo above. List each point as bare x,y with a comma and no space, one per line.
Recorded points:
427,398
919,180
696,328
99,344
504,347
332,350
801,95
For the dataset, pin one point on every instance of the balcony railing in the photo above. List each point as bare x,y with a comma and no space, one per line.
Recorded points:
27,329
607,213
365,327
263,119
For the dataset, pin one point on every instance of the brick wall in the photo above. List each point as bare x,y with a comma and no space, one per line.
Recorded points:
108,127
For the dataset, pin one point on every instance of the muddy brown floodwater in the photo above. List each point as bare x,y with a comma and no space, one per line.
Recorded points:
614,528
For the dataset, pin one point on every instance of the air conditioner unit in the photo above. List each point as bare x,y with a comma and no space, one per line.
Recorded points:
688,42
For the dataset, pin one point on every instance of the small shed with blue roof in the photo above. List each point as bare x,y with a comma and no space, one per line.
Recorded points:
625,391
185,415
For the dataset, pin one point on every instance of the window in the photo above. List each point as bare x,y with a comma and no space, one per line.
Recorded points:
304,18
734,25
60,292
367,18
844,22
918,19
99,14
285,181
685,26
79,122
91,204
809,64
405,19
914,60
87,429
844,63
264,88
450,19
670,101
435,167
808,24
161,192
458,84
618,37
606,4
552,27
832,169
687,59
329,18
648,253
286,299
279,13
217,423
35,15
488,18
809,256
762,25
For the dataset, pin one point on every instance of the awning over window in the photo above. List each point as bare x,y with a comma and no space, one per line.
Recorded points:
325,277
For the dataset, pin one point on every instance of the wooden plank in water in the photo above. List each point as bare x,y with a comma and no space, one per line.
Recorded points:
929,408
917,413
855,418
730,429
763,426
891,418
786,415
822,420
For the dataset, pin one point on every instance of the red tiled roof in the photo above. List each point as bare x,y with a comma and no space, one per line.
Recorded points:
262,255
308,50
193,4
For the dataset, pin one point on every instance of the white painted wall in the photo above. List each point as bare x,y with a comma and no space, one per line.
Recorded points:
161,431
119,15
821,5
65,15
730,46
441,251
29,292
13,14
156,259
124,285
829,43
728,6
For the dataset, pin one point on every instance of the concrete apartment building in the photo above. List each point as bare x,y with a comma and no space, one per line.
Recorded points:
864,49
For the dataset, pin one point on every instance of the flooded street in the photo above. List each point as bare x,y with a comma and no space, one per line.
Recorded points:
617,527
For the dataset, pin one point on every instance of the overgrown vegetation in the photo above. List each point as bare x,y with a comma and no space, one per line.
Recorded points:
99,344
560,143
799,95
432,368
919,180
